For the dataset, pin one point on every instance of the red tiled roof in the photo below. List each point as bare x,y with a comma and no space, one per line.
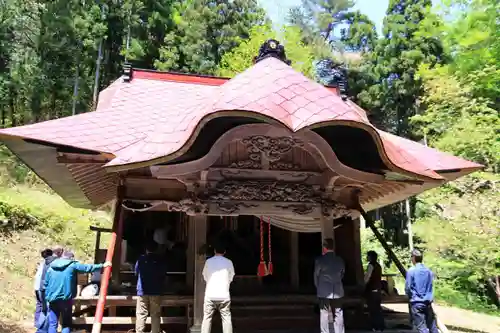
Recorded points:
155,114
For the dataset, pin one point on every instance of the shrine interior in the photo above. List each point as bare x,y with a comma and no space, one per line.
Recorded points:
241,236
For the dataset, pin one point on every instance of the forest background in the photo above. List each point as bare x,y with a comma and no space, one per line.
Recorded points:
432,75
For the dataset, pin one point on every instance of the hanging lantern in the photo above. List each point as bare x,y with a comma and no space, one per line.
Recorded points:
262,269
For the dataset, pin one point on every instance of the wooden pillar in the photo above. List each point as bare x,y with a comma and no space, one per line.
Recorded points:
199,236
97,246
190,254
294,260
117,256
358,261
116,236
326,229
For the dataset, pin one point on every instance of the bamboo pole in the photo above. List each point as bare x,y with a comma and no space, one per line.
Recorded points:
371,223
116,235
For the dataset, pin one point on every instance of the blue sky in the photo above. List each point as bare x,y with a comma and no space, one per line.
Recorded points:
374,9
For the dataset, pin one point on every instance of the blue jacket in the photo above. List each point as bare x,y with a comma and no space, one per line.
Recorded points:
60,280
418,285
151,270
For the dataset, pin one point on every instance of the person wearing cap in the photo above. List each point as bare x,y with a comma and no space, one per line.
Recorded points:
57,251
39,286
419,289
328,274
60,289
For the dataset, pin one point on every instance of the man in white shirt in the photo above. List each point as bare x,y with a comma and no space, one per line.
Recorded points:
218,274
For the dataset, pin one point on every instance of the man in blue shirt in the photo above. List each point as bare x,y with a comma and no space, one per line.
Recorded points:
151,270
60,289
419,291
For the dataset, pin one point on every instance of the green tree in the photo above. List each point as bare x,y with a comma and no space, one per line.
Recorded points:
205,31
458,225
149,21
473,38
393,96
332,25
241,57
456,121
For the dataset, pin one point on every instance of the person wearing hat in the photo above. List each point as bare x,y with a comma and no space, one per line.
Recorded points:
328,274
419,289
60,289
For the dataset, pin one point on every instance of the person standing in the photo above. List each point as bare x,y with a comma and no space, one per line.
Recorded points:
373,291
60,289
39,286
151,271
218,273
328,274
419,289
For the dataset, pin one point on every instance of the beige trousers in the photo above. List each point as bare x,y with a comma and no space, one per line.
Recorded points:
209,308
145,305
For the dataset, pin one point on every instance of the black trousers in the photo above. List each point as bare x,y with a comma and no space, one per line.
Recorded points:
374,304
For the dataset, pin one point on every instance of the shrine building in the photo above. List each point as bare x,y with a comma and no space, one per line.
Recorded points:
269,161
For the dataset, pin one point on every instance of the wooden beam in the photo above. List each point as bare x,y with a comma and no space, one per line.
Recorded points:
127,320
236,208
79,160
94,228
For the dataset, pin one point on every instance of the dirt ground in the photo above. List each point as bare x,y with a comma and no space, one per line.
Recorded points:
458,320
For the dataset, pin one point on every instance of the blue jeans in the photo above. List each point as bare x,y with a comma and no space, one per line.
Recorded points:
38,310
63,310
423,317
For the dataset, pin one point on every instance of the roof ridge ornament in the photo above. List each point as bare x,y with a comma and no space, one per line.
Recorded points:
272,48
340,76
127,72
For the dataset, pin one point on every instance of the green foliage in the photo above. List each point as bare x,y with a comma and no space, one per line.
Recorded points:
13,172
370,243
458,227
241,57
205,31
393,93
457,121
23,208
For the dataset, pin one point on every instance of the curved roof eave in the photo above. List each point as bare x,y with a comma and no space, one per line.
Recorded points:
150,120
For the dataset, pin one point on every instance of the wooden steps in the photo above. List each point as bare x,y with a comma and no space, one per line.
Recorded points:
249,313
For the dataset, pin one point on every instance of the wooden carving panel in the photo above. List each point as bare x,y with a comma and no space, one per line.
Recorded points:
268,153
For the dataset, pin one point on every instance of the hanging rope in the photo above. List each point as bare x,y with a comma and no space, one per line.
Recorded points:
269,251
262,269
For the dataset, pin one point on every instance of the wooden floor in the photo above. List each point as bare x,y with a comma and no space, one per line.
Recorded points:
250,314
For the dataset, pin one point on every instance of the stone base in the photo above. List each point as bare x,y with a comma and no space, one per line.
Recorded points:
195,329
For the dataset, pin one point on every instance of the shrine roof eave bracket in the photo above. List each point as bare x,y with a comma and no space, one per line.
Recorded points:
121,162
